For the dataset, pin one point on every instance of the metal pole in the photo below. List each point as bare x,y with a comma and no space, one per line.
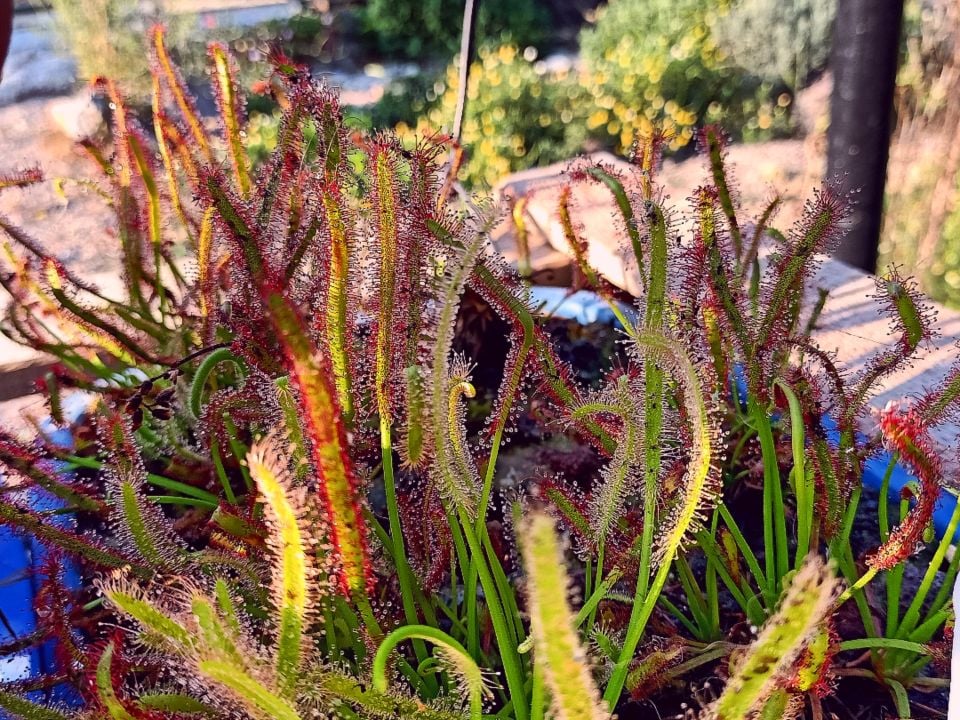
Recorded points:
864,56
466,57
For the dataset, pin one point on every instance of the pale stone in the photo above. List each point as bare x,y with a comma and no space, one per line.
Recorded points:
77,116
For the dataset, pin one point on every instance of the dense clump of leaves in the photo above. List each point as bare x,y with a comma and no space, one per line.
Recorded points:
796,37
652,63
331,540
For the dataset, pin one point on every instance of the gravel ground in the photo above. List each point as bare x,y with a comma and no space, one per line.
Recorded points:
76,225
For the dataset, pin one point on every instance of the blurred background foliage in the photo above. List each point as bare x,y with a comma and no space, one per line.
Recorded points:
108,38
782,42
552,78
922,221
413,28
520,113
659,62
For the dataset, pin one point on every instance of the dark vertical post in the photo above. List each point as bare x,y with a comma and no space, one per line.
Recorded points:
6,30
864,55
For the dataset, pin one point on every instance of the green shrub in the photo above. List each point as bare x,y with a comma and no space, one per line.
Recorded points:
404,100
518,114
651,62
413,28
106,38
946,271
780,40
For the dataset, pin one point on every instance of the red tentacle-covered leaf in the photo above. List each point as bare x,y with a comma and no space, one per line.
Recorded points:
499,286
35,248
231,105
912,321
822,224
55,608
836,469
715,279
569,505
120,168
557,384
69,541
243,407
35,469
713,143
117,439
321,417
20,178
392,286
265,293
905,432
240,225
648,673
941,403
164,69
646,153
426,531
120,666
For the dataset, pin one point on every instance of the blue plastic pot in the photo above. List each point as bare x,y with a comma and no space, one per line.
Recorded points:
874,470
21,559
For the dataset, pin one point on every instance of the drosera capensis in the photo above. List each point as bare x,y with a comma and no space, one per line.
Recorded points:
300,499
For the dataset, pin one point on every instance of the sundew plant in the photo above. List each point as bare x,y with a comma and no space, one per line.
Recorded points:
281,507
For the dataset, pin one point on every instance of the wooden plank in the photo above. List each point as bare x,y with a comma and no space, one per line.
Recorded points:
19,379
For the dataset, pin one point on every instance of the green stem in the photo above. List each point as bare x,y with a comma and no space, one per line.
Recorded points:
678,614
774,519
802,489
481,522
693,594
438,637
204,370
594,599
158,480
508,648
638,623
362,602
900,698
404,576
912,616
653,390
895,575
538,695
858,585
946,586
880,643
744,547
711,550
180,500
221,471
842,554
712,652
